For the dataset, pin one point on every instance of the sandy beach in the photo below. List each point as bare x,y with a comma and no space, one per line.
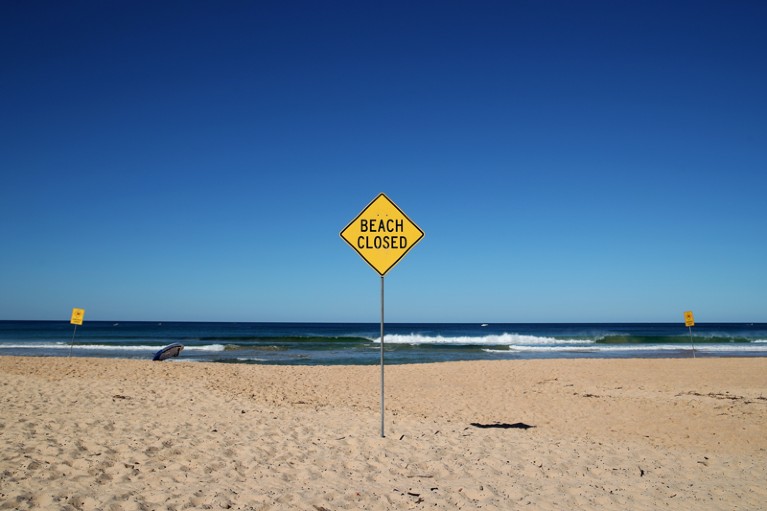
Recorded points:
104,434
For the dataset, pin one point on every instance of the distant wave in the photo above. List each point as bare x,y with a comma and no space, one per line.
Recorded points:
250,347
512,339
487,340
669,339
252,339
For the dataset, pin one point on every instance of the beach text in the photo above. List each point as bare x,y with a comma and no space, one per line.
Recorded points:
387,240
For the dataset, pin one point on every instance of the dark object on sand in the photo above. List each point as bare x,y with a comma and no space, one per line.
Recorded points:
171,350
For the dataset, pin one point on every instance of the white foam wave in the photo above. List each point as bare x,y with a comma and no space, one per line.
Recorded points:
207,347
596,348
34,345
487,340
732,347
105,347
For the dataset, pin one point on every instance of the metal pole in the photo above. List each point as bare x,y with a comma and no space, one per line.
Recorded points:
691,341
73,341
382,357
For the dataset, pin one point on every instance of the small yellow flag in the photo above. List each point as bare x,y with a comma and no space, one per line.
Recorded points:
689,320
77,316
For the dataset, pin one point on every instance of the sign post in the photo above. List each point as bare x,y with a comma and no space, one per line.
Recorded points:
689,322
382,234
77,319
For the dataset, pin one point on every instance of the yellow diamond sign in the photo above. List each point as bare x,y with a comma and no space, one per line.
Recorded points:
382,234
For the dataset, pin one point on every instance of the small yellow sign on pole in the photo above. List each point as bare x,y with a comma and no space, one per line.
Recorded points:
77,319
382,234
77,316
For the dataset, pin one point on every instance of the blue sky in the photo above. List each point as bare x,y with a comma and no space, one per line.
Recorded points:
568,161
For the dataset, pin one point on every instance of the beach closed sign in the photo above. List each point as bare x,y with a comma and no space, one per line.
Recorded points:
382,234
689,319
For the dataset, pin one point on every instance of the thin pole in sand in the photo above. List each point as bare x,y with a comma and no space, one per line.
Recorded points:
689,322
691,341
72,342
382,357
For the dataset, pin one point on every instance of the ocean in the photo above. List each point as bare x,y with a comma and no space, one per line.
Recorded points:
359,343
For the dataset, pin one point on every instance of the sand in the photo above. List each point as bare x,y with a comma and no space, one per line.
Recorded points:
564,434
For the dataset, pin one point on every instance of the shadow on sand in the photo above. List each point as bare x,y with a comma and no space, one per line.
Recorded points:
503,425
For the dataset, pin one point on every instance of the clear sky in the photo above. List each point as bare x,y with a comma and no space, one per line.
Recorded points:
568,161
